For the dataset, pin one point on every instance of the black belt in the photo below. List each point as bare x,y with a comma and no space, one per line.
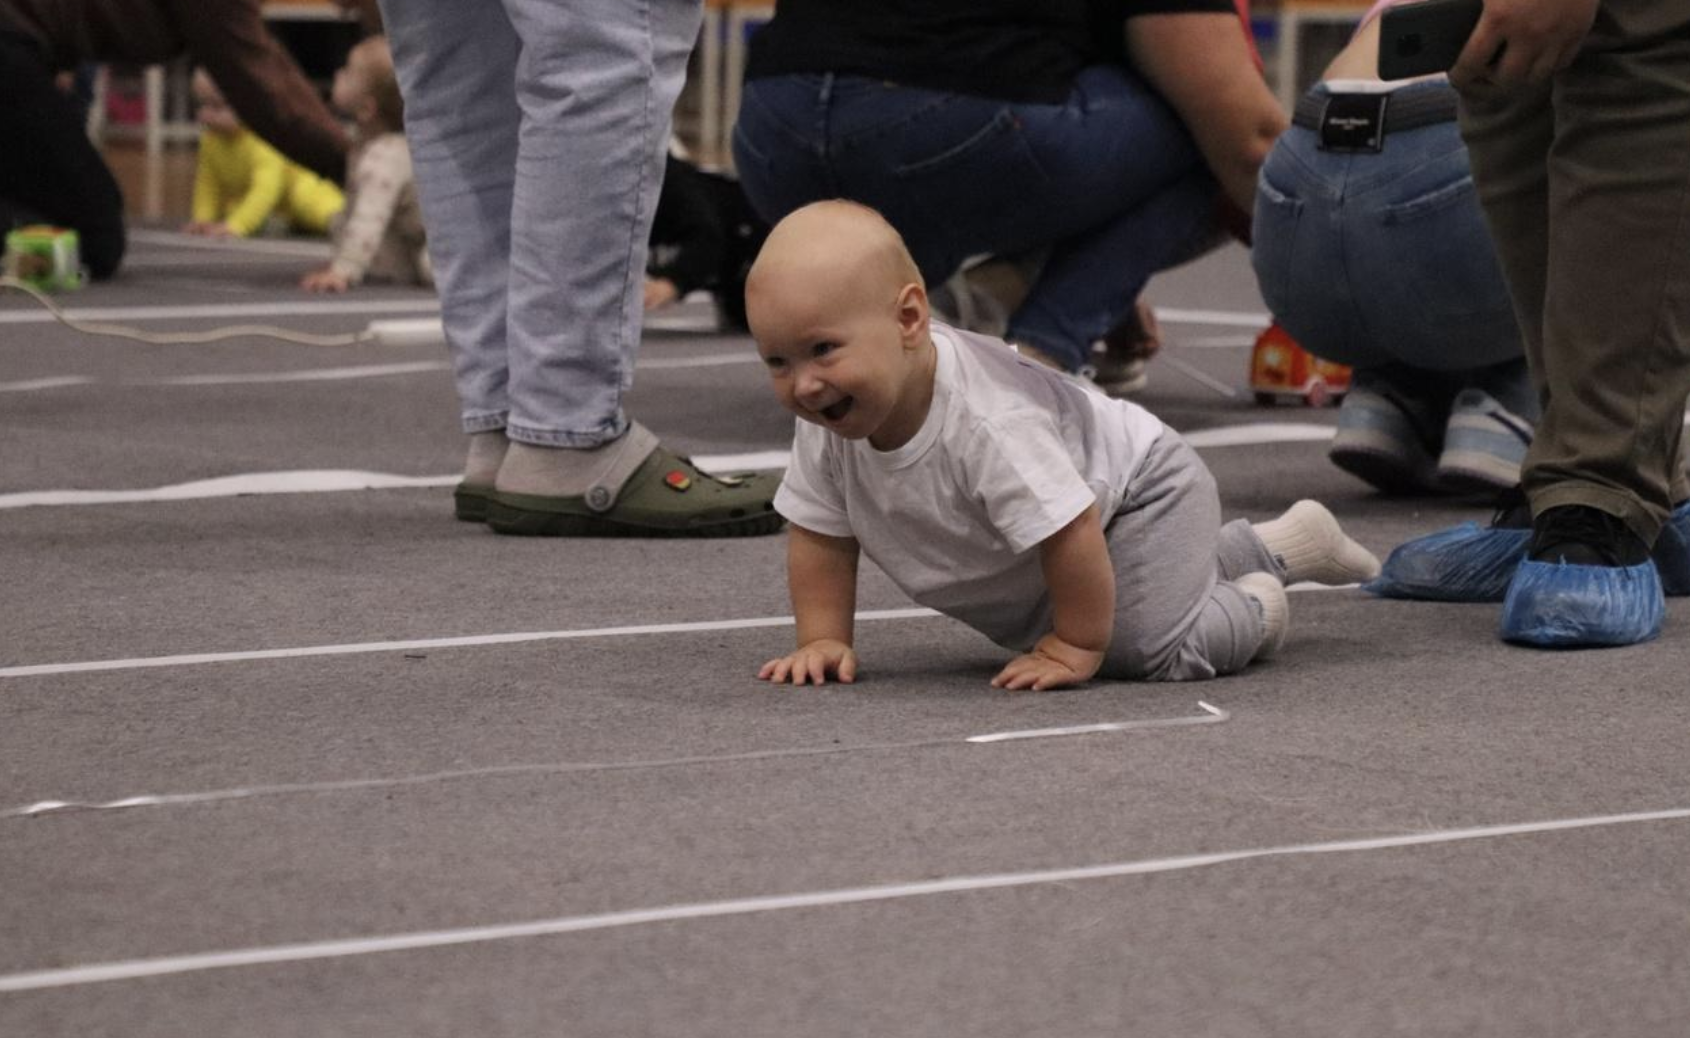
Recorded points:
1359,122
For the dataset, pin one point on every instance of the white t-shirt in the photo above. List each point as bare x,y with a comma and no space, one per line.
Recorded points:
1010,453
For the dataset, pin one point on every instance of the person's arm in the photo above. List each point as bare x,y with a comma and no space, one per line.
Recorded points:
265,185
262,82
821,572
1200,62
1522,42
1081,583
382,172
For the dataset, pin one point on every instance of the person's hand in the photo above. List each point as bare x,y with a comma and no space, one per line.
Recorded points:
1053,663
1521,43
203,228
813,663
660,292
325,280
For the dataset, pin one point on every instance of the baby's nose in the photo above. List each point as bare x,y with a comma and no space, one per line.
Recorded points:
808,386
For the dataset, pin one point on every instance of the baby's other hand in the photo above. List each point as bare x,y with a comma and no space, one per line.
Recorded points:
325,280
1053,663
813,663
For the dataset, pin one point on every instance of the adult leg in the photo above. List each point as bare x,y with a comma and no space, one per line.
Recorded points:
48,167
961,176
1619,232
456,65
780,143
1604,470
597,82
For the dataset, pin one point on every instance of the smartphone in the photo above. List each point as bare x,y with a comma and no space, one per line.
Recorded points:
1419,39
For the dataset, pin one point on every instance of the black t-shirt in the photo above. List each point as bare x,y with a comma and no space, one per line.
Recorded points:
1016,50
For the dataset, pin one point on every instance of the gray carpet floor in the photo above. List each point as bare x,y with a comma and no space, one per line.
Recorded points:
393,775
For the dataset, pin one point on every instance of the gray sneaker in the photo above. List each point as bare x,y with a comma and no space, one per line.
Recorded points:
1382,438
1484,445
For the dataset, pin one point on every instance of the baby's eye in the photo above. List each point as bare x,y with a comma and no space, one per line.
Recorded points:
822,349
775,363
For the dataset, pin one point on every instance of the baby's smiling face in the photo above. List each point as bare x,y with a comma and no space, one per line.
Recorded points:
843,337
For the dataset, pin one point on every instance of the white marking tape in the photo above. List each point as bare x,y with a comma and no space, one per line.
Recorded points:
303,308
306,375
1214,715
711,360
1202,378
319,481
45,383
1215,342
306,951
298,482
332,374
333,480
354,648
265,245
1221,318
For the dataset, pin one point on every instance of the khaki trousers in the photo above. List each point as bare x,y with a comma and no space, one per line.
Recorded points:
1585,184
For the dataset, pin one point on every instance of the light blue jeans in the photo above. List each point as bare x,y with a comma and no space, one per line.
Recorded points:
537,130
1381,260
1109,180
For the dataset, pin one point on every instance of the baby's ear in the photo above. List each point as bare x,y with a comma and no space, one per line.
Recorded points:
913,314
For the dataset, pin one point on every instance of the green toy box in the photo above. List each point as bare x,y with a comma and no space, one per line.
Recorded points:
45,257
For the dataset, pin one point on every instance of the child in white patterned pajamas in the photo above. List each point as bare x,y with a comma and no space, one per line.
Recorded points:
1072,529
379,235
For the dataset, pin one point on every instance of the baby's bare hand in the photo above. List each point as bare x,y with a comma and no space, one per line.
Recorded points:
1053,663
813,663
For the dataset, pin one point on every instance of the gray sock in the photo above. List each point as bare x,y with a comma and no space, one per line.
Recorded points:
596,474
486,454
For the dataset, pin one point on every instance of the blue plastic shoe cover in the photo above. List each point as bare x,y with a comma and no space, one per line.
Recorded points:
1466,563
1672,552
1562,605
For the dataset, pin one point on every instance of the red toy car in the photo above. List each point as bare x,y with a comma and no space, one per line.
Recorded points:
1280,368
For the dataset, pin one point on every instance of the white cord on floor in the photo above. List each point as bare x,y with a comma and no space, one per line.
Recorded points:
187,338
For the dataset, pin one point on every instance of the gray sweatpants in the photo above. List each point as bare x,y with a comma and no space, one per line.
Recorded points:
1178,617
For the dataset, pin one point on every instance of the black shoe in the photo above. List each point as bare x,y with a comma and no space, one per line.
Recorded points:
1585,536
1512,510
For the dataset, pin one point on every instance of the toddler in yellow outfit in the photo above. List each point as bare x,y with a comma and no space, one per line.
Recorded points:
242,181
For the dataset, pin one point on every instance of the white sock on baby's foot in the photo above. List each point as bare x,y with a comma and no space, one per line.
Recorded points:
1265,590
1308,542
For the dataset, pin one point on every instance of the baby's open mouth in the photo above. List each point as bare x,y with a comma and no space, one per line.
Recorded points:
837,410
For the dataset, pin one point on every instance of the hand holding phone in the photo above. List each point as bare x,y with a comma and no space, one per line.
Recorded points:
1420,39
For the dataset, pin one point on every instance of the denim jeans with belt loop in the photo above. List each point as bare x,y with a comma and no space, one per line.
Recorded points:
1382,260
1109,180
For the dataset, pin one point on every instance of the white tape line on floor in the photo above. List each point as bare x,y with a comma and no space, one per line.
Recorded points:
1211,715
318,481
335,480
131,969
465,641
217,311
355,648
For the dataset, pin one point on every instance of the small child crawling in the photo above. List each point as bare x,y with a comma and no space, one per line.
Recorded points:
1075,530
379,236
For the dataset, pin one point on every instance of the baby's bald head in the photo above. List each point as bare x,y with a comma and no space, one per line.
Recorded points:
836,250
